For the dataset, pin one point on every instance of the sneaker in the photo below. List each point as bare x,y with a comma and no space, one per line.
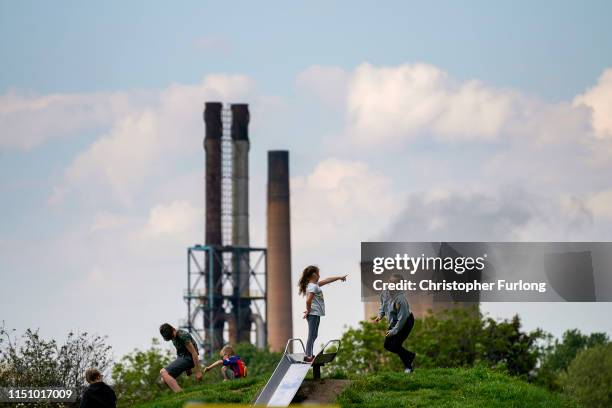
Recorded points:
408,370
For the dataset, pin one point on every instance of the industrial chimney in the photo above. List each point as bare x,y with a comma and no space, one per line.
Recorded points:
240,217
280,322
212,147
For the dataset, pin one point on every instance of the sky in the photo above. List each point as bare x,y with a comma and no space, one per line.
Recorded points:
406,121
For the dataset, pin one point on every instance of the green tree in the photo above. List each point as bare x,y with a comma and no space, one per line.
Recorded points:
29,360
503,343
361,350
572,342
456,337
589,377
558,356
136,376
449,338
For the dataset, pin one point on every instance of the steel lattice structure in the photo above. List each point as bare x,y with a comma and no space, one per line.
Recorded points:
201,295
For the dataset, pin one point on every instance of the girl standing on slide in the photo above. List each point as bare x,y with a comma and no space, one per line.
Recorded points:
310,285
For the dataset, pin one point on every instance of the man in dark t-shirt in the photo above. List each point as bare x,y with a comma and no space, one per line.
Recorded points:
186,356
97,394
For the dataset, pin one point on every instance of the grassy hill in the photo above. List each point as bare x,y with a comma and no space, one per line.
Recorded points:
456,387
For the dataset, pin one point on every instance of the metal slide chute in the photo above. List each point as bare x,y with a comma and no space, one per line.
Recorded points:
290,373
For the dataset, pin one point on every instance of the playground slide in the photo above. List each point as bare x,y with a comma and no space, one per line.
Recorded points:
288,376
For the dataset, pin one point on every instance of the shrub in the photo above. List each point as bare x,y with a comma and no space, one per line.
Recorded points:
457,337
136,375
257,361
560,354
32,361
589,377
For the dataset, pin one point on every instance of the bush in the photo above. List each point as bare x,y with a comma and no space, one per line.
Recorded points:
136,375
457,337
32,361
589,377
450,338
258,362
503,343
362,352
559,355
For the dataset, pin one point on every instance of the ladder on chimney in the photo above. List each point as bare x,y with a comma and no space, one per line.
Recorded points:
226,176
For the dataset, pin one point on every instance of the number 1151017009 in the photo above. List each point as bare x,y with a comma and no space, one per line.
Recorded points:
37,394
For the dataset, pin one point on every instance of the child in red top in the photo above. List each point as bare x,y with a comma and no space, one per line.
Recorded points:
232,365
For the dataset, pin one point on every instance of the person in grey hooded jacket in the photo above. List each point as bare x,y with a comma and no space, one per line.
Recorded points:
394,306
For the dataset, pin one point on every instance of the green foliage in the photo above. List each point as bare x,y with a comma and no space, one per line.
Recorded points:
589,376
458,337
559,355
447,387
32,361
360,351
450,338
136,376
503,343
258,362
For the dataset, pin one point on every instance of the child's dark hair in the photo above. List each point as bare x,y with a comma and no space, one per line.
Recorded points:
306,275
166,331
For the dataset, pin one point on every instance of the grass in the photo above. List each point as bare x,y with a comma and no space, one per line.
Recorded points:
240,391
442,387
448,387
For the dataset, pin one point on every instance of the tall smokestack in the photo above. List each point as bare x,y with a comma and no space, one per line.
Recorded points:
280,317
240,215
212,147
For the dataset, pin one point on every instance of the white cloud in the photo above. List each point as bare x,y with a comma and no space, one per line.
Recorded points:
600,203
28,121
388,104
387,107
599,100
176,219
119,160
502,213
144,141
339,200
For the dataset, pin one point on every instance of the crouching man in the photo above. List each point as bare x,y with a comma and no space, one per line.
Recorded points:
186,356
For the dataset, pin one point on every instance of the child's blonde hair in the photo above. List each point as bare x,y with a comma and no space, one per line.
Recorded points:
227,350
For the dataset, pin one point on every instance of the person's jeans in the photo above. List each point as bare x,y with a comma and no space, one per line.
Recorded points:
313,332
394,343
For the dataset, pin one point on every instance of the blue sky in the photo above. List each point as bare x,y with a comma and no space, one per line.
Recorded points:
101,160
552,48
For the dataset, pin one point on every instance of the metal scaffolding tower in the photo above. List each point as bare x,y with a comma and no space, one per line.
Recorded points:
200,304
